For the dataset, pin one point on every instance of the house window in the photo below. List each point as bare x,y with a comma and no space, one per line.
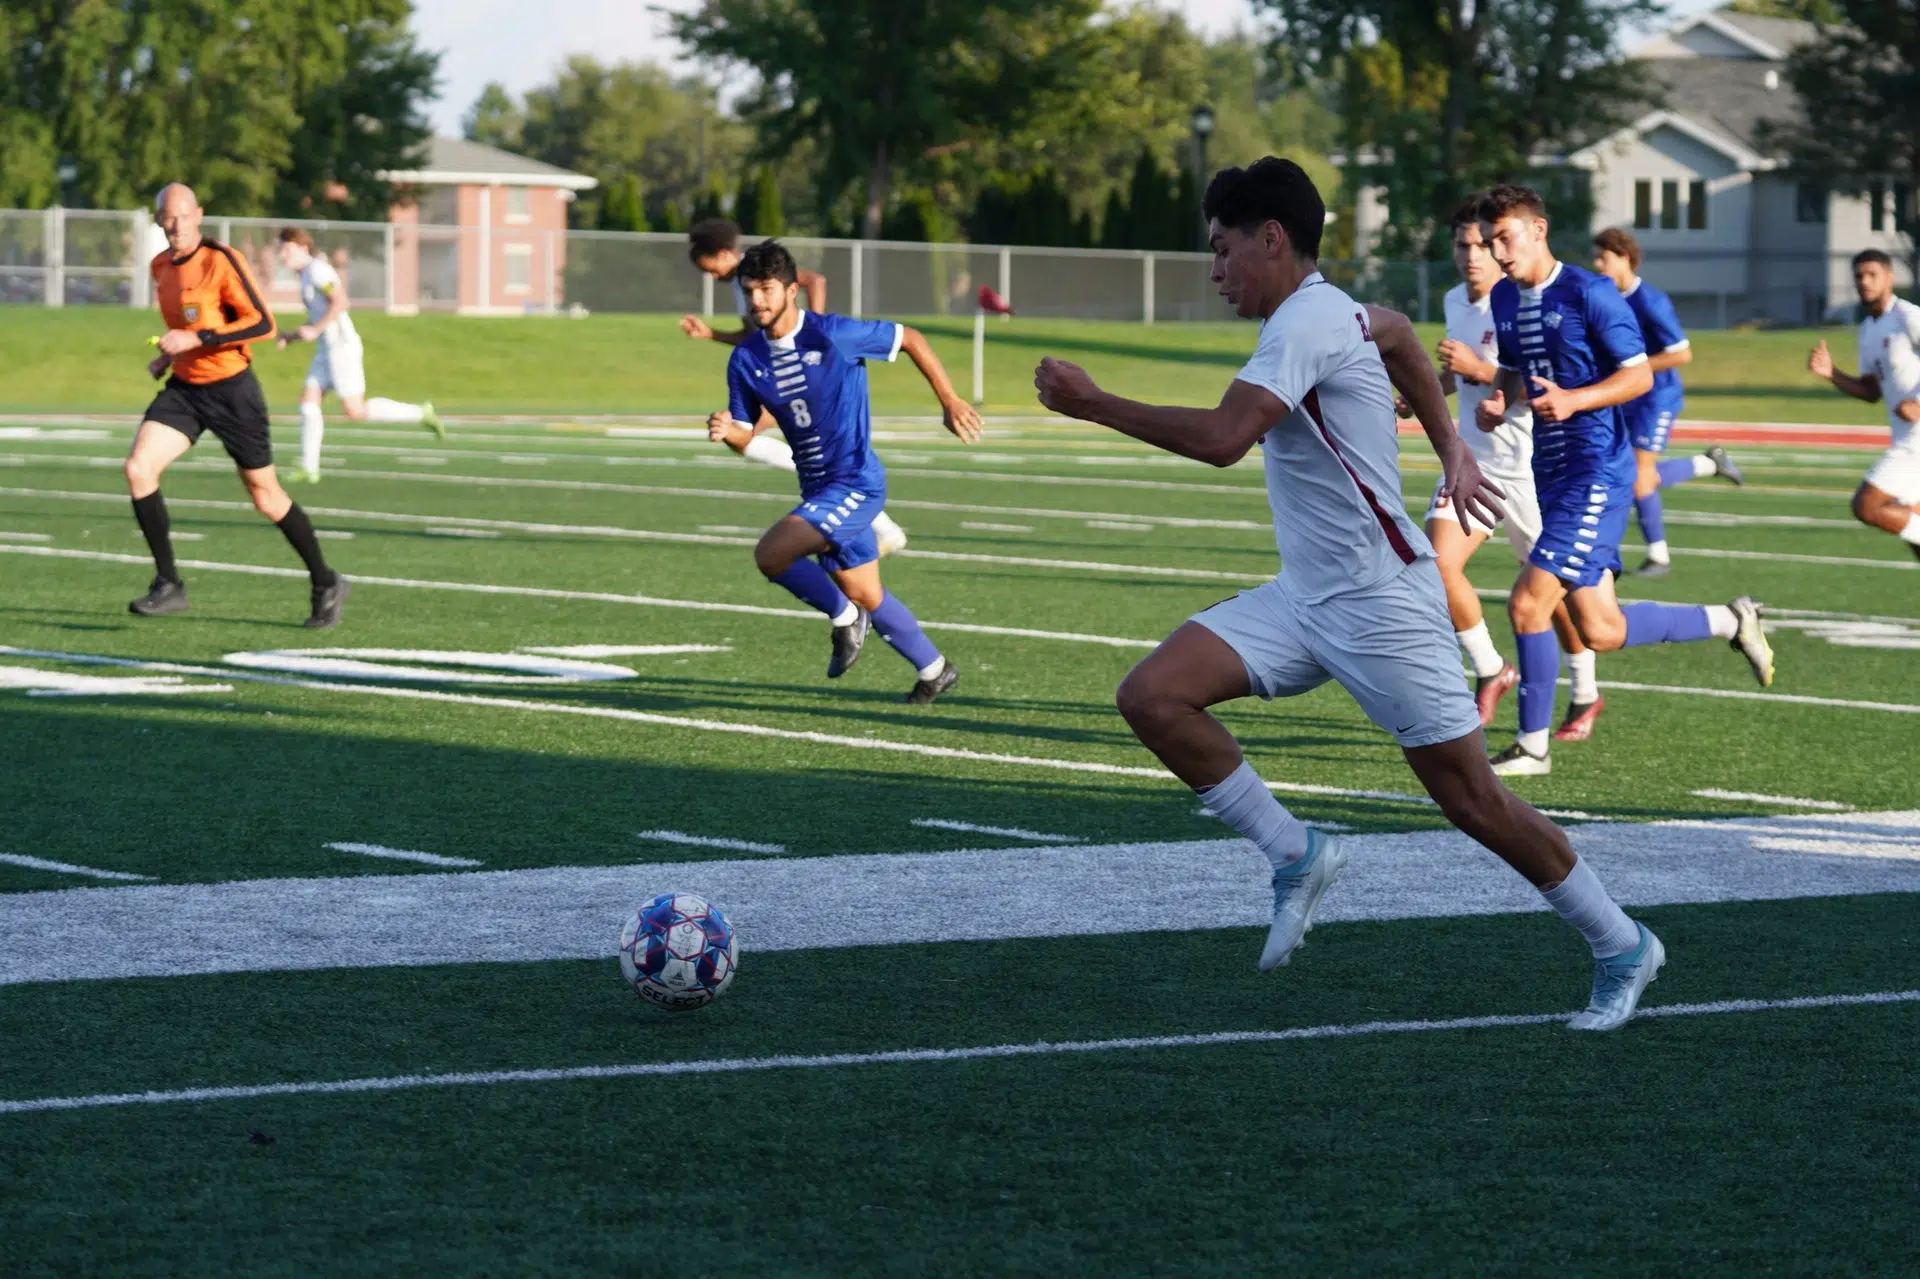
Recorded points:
1696,206
519,268
1902,207
1669,206
519,204
1810,202
1643,204
1876,206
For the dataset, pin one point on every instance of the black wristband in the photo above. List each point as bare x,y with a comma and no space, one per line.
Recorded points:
209,337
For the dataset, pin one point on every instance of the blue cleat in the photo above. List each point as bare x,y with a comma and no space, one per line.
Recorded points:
1297,888
1618,984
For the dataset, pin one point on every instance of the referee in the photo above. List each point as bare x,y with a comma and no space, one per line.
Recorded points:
212,310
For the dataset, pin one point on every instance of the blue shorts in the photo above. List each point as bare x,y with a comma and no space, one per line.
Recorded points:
1580,530
844,515
1649,423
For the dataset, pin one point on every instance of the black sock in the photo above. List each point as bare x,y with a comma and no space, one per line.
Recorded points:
151,512
299,531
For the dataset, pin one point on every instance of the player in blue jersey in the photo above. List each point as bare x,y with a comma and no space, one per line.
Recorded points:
1569,343
1616,255
808,373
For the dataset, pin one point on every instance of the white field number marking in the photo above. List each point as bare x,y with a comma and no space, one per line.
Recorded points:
430,665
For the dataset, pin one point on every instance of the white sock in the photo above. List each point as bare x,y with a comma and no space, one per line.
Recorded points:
312,427
1725,625
1243,802
381,409
932,669
1585,687
1911,533
1478,646
1703,466
1534,743
1582,901
846,615
771,451
1658,553
885,529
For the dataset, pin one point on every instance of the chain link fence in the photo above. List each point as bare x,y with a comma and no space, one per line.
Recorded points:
72,257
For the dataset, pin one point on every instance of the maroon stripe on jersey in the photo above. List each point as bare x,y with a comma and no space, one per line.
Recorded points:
1395,538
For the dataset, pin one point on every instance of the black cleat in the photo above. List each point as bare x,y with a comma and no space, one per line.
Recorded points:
326,604
847,642
1725,467
924,691
1654,568
164,596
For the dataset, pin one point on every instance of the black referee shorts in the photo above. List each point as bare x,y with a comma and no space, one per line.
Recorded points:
234,409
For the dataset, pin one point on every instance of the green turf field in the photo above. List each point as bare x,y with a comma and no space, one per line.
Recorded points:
91,360
1001,889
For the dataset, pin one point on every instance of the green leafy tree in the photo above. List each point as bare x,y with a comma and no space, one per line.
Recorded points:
878,85
363,116
757,207
1823,11
494,119
1859,89
623,207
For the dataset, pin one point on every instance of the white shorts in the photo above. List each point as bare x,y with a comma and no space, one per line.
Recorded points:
1392,648
339,369
1898,471
1522,523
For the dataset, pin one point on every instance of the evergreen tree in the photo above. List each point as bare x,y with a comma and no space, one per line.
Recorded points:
623,207
768,217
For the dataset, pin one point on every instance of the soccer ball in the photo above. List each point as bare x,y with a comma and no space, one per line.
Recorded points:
678,952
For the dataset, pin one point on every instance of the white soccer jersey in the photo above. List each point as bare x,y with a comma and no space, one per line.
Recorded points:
1890,351
1333,463
1506,454
318,283
739,295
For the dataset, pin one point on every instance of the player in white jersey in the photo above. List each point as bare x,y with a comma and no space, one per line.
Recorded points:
1357,599
1469,357
713,245
338,359
1889,498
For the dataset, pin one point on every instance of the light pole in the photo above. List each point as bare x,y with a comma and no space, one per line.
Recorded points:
1202,130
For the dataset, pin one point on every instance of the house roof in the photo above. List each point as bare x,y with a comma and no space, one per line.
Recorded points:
1783,34
458,162
1728,96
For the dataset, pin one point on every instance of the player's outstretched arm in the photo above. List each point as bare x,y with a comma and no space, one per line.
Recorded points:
1820,364
1407,367
700,331
815,285
961,417
1219,436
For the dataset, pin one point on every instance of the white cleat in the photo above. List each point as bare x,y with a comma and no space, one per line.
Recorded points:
1297,888
1618,984
891,538
1518,761
1750,641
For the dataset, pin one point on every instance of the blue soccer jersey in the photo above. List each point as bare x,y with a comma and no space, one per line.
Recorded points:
814,383
1650,418
1574,330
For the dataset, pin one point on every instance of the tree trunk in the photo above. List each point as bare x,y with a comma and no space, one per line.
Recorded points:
1463,59
879,179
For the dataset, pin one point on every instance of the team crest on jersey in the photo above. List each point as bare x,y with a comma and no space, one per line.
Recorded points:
1552,318
1486,338
810,357
192,312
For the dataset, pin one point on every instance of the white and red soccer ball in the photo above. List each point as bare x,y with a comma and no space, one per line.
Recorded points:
678,952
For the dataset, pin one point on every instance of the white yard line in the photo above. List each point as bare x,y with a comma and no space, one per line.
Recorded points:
68,868
1787,801
624,650
1745,695
404,855
1003,832
980,527
915,1056
453,530
709,841
25,537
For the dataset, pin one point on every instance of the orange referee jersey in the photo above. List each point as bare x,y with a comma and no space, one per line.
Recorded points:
212,292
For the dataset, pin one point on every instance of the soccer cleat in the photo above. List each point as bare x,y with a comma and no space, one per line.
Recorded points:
326,604
1488,691
431,421
1297,889
1725,467
1618,983
1518,761
302,476
894,539
1578,726
924,691
847,641
1751,639
164,596
1654,568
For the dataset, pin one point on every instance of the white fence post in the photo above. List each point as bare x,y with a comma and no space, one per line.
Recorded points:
1006,275
484,278
979,355
1423,292
53,252
388,305
857,284
139,278
1146,289
706,294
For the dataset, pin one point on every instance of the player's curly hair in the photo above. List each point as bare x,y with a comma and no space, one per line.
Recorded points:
1508,200
710,236
1865,256
1269,190
1468,214
767,260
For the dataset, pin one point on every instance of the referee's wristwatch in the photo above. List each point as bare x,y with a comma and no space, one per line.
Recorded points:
209,337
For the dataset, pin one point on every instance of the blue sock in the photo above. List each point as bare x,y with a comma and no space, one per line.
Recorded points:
1539,669
1653,516
897,626
1665,623
1674,470
810,583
